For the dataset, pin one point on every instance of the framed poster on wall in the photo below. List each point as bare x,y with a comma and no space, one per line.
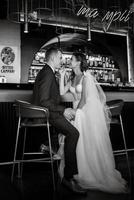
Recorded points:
9,64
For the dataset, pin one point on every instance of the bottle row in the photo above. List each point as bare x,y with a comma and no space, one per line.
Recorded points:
93,61
101,61
102,67
100,75
104,75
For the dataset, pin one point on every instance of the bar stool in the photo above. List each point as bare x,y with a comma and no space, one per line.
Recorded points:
116,107
26,112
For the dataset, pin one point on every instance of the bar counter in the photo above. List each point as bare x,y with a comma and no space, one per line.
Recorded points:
10,92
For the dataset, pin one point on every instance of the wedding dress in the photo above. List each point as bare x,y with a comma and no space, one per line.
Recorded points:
96,164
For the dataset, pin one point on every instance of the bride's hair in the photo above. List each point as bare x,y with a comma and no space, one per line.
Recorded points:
83,62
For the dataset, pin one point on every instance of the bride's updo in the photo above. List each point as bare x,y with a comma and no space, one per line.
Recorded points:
83,62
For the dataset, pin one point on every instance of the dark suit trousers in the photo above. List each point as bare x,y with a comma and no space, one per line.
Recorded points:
70,143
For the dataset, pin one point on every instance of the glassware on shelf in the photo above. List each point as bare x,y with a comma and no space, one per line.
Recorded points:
103,67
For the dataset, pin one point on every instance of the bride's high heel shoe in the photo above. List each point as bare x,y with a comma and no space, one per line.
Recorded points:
45,149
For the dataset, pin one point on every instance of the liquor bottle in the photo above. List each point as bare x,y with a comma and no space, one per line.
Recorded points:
101,75
112,64
106,76
95,63
100,61
113,77
103,62
90,61
106,62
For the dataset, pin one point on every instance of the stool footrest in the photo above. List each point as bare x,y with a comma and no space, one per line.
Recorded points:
33,153
54,156
33,160
123,150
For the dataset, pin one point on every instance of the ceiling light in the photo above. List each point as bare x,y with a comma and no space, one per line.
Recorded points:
88,30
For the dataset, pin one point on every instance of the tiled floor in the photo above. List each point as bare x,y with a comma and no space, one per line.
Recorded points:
36,184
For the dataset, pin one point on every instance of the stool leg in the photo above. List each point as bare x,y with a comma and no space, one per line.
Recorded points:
124,140
22,158
19,171
51,157
15,152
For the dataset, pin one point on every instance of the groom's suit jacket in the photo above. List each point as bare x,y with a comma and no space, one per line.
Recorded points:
46,92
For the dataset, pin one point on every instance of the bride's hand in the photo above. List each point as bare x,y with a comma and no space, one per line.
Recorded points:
62,72
73,111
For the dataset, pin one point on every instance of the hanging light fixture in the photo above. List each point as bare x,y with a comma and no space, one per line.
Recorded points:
88,24
88,29
25,17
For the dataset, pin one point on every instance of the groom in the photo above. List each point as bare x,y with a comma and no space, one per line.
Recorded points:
46,93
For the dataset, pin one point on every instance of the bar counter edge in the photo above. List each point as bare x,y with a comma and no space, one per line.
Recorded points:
11,91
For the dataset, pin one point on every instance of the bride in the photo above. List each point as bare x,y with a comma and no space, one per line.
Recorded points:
95,160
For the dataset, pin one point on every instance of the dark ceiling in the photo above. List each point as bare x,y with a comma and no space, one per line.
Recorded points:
104,4
3,9
65,12
35,30
100,4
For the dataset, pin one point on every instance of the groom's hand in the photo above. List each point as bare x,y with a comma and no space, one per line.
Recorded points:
69,113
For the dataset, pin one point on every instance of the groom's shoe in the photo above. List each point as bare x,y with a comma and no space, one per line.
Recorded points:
73,186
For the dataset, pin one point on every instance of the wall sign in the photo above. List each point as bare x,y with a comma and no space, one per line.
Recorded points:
9,68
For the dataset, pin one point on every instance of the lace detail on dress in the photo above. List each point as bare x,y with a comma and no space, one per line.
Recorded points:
76,91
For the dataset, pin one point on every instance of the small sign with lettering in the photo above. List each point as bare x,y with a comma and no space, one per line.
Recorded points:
9,64
92,13
109,17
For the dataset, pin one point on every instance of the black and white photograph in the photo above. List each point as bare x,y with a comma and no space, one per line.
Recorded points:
67,99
